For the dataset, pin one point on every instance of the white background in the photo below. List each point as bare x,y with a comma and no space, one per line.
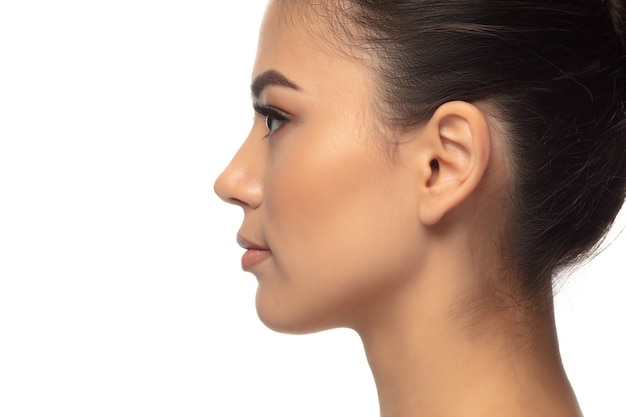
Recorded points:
120,287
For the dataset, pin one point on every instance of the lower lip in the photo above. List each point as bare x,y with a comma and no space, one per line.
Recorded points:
253,257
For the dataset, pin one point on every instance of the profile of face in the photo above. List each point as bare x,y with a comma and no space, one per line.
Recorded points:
320,191
425,225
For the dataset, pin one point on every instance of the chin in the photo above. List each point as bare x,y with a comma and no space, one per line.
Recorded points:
290,322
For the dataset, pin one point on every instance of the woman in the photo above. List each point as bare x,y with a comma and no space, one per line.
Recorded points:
419,171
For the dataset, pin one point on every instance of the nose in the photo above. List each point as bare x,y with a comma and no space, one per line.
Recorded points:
241,182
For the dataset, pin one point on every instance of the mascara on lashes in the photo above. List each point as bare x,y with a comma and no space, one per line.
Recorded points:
270,113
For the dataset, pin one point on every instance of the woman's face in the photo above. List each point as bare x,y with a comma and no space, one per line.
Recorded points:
320,191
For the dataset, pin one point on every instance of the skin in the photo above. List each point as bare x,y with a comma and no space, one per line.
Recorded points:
373,236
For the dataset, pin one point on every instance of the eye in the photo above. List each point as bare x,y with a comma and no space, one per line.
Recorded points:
274,119
273,123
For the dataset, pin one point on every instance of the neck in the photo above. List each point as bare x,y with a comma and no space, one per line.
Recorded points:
431,358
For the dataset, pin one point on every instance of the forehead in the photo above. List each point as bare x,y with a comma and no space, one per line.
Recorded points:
293,23
301,44
329,24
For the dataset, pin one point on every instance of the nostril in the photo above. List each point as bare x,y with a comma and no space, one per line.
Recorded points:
235,201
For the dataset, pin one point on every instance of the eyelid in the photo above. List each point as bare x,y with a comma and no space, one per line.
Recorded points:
264,111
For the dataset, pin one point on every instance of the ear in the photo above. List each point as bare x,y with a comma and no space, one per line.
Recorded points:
455,152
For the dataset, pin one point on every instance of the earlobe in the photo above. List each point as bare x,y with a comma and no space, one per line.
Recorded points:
457,144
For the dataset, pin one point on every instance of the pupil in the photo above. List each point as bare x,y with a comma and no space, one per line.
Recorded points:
268,123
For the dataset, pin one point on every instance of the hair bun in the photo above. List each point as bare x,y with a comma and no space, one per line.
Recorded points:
617,10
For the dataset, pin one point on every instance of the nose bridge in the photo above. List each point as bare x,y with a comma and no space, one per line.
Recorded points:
241,182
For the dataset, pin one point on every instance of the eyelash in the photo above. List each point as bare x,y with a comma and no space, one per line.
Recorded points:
269,113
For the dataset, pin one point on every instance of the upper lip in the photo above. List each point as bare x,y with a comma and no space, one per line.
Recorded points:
246,244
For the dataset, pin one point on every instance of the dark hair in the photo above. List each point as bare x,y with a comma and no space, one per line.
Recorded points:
555,72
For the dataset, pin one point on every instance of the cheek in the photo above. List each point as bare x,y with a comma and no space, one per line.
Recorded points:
320,196
336,229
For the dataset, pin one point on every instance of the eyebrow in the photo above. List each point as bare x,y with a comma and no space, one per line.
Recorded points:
268,78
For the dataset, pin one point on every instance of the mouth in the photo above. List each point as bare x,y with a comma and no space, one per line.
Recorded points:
254,255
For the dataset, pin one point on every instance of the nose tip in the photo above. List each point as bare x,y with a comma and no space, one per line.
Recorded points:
241,183
219,188
238,187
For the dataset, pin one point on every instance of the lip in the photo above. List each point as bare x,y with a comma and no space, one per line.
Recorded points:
254,255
